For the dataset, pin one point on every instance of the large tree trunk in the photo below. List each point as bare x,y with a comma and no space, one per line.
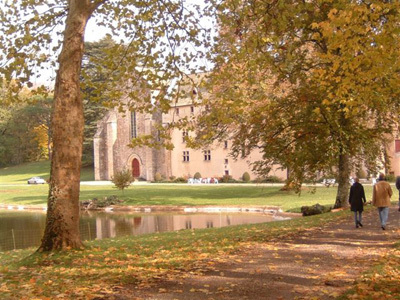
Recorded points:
62,223
342,197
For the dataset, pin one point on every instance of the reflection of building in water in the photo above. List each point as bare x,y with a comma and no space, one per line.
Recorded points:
105,228
137,221
118,225
164,223
202,221
188,224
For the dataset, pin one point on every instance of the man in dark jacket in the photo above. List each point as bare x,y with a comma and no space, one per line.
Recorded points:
357,200
398,187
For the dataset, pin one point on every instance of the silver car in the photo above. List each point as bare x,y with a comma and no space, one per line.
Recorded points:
36,180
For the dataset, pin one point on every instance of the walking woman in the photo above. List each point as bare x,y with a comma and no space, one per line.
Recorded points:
357,200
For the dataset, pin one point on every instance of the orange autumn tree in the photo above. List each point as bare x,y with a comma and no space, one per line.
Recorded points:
156,42
313,85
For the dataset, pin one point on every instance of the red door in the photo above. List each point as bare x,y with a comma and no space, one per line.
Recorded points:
135,168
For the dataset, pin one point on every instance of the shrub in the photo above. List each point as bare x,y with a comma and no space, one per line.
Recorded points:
269,179
157,177
314,210
226,178
197,175
180,180
99,203
122,179
391,178
246,177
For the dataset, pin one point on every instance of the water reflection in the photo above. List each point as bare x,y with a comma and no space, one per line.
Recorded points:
24,229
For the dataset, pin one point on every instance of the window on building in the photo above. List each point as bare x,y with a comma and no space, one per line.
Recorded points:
226,172
397,146
207,155
184,135
226,145
210,224
192,109
226,161
177,111
133,125
158,135
185,155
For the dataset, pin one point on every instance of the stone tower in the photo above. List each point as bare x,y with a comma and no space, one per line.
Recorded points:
112,152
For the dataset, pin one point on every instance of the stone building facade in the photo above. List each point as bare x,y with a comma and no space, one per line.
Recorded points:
112,153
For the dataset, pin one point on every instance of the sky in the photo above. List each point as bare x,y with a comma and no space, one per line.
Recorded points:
93,33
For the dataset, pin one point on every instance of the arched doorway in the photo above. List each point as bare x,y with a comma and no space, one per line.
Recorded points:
135,168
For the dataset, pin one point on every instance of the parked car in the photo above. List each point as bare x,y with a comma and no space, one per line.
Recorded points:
36,180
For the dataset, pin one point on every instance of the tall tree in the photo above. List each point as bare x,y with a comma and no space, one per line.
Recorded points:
24,131
94,71
313,85
156,35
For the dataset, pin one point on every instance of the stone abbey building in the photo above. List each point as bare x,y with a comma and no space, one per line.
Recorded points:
116,129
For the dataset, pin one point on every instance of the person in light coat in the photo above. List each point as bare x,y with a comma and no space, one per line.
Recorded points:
381,198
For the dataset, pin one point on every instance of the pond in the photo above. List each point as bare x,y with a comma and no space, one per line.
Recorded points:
22,229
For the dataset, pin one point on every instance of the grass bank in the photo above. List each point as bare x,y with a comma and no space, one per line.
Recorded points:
105,265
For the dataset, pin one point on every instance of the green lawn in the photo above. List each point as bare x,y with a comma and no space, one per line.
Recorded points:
183,195
15,191
21,173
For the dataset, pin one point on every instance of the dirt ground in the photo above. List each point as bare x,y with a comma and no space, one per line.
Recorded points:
319,263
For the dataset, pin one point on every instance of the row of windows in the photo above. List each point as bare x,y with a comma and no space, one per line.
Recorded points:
206,153
191,110
185,134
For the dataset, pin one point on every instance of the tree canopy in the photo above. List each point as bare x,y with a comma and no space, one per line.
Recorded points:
24,131
313,85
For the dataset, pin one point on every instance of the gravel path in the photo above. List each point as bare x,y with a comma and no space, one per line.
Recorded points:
320,263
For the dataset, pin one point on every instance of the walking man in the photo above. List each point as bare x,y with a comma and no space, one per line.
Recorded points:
381,198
